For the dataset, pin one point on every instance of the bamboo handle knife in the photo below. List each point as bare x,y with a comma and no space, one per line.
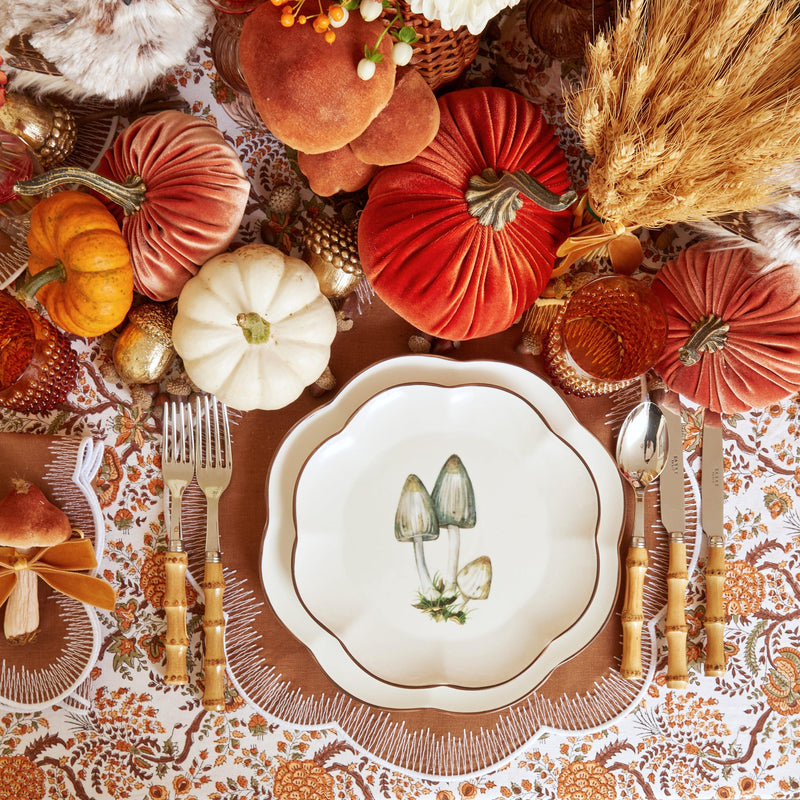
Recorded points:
712,498
715,611
677,629
673,516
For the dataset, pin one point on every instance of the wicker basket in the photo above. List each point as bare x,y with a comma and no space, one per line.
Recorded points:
439,55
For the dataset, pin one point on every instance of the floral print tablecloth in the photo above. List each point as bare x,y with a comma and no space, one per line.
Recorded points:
128,735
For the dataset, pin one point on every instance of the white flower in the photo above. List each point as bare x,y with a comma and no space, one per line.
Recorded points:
370,9
365,69
401,53
452,14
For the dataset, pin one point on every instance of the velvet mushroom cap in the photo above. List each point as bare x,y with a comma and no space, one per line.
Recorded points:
335,171
307,91
29,519
405,127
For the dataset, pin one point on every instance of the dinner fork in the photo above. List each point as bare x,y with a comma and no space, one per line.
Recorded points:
177,467
213,470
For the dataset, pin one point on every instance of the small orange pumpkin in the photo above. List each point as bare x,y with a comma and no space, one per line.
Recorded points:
80,267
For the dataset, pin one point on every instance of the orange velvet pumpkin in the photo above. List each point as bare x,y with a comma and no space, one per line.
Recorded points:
79,264
447,272
733,342
196,194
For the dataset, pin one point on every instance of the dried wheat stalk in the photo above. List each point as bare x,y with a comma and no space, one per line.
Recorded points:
690,109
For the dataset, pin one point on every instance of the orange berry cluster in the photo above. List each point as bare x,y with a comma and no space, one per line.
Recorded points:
321,22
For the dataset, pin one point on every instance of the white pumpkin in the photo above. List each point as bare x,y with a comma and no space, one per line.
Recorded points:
253,328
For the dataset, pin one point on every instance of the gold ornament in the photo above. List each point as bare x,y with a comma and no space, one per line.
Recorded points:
48,129
144,351
331,250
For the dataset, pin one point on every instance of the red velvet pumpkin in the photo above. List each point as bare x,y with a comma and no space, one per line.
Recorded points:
196,193
734,333
447,272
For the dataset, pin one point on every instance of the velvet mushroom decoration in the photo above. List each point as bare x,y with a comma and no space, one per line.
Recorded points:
452,240
307,91
28,521
733,341
335,171
405,127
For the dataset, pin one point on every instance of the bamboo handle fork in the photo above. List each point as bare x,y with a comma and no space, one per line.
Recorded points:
213,471
177,465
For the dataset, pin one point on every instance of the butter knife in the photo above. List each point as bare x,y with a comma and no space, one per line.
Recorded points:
712,495
673,516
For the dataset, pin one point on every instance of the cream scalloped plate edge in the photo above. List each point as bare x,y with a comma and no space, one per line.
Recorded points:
279,540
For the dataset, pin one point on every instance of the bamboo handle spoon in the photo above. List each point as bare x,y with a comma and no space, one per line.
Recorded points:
641,455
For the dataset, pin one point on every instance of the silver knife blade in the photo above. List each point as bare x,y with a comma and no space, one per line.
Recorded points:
712,485
673,511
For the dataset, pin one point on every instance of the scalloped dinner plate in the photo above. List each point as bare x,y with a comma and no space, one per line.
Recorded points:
361,583
548,506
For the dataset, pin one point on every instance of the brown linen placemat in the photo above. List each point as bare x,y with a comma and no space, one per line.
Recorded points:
38,673
281,676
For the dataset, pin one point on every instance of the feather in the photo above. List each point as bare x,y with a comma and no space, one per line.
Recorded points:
101,48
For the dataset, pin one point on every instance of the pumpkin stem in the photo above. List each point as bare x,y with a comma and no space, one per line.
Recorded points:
494,199
130,195
57,272
709,335
254,327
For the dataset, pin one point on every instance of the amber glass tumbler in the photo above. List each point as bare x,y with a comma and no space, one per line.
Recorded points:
38,367
609,333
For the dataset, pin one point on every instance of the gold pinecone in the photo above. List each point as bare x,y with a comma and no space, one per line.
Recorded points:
331,249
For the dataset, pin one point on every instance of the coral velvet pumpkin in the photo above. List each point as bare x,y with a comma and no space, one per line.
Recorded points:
196,193
734,332
427,257
79,264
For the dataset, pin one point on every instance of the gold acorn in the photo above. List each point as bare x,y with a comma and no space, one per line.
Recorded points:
331,250
144,350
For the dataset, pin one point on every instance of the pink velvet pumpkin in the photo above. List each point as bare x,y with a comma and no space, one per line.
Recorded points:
733,342
449,273
196,193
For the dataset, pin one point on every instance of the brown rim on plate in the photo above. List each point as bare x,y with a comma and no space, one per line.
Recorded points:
546,645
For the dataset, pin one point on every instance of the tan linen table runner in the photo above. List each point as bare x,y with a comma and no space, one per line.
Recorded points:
281,676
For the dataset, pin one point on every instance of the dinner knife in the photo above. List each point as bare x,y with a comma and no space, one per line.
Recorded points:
673,516
712,495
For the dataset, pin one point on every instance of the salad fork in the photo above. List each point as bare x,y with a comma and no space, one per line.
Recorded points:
177,467
213,470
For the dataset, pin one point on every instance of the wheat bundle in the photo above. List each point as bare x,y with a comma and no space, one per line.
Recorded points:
690,110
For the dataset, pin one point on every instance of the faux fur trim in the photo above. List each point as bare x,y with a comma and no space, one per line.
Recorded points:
104,48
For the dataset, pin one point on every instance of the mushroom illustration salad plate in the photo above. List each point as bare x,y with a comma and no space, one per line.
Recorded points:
442,534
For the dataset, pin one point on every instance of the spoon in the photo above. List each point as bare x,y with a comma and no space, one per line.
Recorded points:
641,455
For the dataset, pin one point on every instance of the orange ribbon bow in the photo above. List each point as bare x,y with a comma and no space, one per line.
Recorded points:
598,236
57,566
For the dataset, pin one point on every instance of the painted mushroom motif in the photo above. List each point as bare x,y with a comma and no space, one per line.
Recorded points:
475,579
454,498
415,521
